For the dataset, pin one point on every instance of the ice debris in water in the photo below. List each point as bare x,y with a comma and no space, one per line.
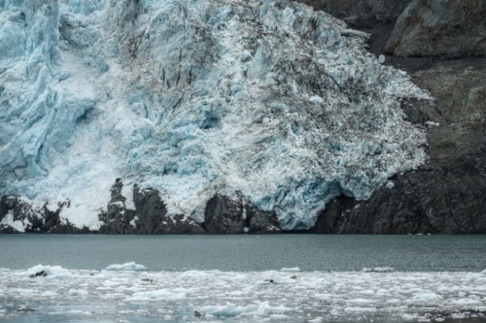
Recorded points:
290,270
196,98
126,266
378,270
232,310
47,271
168,296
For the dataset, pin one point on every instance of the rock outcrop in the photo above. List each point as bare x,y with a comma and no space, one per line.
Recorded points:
454,28
359,11
19,216
224,215
448,194
142,212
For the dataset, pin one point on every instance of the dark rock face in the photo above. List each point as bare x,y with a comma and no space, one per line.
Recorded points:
448,195
425,201
259,221
420,28
146,215
224,215
117,218
454,28
149,215
357,11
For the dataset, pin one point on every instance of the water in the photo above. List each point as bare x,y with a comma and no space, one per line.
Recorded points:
248,252
242,278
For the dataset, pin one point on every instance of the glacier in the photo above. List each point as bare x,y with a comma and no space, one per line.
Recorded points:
264,99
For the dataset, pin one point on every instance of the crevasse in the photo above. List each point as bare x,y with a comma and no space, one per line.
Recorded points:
195,98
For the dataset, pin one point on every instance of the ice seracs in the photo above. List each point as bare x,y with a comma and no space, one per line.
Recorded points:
196,98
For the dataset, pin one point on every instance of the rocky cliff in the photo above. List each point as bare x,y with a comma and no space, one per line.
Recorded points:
234,117
441,44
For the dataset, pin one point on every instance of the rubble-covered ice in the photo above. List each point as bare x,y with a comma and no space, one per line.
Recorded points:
219,296
195,98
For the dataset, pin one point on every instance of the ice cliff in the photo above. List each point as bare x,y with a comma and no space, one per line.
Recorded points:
265,100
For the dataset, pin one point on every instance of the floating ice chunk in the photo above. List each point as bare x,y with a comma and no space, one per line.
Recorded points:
78,292
161,294
378,270
426,298
290,270
458,316
49,294
48,271
381,59
354,309
359,301
194,274
466,302
232,310
348,296
126,266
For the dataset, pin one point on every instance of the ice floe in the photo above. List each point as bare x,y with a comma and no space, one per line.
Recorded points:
218,296
126,266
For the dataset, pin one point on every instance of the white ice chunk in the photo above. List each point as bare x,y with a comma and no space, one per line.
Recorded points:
247,296
290,270
378,270
426,298
126,266
155,295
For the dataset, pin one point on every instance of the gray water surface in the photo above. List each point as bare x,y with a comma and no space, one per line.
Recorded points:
248,252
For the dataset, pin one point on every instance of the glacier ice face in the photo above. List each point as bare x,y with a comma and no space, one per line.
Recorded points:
262,98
